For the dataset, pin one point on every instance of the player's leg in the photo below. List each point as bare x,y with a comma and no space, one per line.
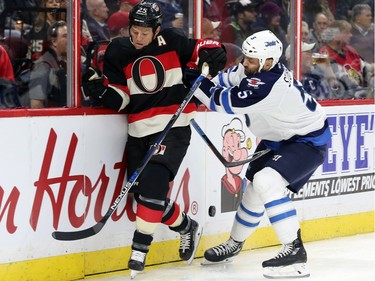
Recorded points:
291,167
190,231
247,218
150,197
153,205
176,143
270,186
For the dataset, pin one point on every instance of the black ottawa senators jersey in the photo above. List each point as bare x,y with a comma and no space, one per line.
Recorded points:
152,77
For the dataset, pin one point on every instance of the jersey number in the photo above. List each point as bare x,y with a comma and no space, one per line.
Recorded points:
306,98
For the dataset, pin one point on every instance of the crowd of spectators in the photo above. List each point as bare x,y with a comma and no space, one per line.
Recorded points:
341,29
341,32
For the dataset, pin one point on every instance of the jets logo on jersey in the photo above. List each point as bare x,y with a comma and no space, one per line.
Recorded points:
254,82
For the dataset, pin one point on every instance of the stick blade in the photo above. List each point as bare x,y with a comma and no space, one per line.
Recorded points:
253,157
77,235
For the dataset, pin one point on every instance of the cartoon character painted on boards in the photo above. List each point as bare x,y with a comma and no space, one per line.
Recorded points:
232,185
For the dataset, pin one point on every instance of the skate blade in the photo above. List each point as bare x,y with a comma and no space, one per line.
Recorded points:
134,273
297,270
198,236
207,262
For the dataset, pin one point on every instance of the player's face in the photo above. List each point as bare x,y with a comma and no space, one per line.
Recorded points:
251,65
61,41
141,36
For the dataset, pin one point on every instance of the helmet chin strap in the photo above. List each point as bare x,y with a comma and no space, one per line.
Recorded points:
131,40
261,64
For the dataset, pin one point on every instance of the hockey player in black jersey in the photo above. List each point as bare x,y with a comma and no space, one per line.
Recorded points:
290,123
144,75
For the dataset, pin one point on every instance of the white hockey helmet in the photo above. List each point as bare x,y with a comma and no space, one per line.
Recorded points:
263,45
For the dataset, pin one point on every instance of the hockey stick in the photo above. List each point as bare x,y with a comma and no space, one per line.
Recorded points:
227,164
80,234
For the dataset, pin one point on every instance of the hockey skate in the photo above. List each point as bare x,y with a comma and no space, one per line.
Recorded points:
222,253
289,262
189,241
136,263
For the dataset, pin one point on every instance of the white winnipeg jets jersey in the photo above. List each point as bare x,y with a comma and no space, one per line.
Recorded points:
276,104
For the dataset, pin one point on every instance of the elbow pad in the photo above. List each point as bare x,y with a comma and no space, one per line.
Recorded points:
115,98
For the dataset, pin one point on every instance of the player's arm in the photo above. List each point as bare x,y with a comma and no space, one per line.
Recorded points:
213,53
95,85
232,99
209,51
110,89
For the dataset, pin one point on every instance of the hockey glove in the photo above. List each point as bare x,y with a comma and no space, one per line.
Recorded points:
190,75
216,59
93,83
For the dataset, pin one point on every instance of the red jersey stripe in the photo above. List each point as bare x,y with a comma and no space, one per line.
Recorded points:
148,214
167,110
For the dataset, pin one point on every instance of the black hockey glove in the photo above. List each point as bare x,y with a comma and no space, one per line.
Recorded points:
216,59
190,75
93,83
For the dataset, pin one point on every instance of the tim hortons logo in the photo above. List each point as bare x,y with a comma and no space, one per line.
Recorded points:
70,188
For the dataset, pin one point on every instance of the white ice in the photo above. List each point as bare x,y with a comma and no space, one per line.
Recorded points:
343,259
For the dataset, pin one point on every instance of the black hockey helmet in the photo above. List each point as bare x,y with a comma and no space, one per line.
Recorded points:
146,14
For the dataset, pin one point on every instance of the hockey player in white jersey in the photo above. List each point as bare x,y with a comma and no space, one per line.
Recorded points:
289,122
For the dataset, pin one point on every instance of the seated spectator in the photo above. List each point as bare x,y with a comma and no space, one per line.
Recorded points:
317,78
353,72
17,48
304,33
37,37
212,9
211,29
319,25
6,67
290,40
243,16
127,5
17,51
16,28
344,8
96,17
269,17
172,14
363,32
312,8
23,10
118,25
8,90
284,13
47,87
310,11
